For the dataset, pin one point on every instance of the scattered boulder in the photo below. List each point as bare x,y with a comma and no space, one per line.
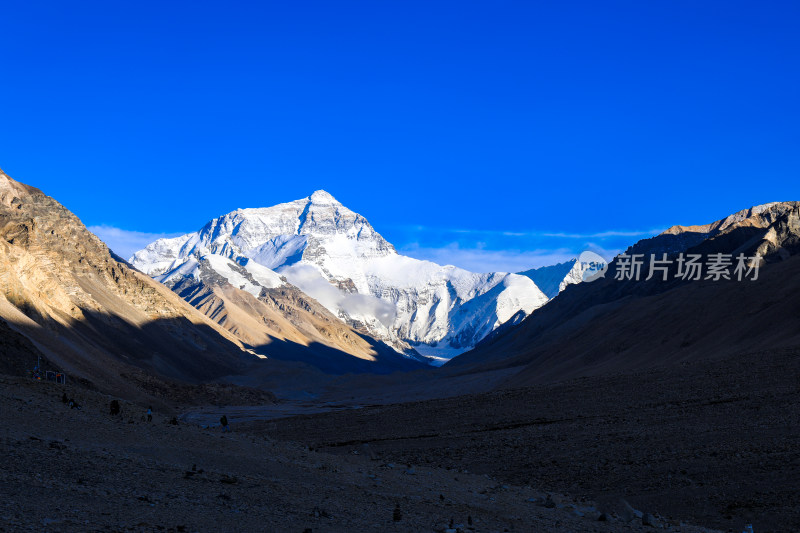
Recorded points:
628,513
366,450
649,520
551,502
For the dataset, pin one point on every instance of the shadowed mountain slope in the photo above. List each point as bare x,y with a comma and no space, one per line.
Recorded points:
615,325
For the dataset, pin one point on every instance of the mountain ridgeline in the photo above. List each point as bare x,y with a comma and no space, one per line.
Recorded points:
309,289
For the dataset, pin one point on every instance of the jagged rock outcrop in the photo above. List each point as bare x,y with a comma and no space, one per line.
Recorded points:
762,230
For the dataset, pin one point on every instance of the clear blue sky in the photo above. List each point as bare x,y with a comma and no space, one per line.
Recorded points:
467,132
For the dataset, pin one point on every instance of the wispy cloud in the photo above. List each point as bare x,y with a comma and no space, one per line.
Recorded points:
535,234
125,242
604,234
509,251
480,259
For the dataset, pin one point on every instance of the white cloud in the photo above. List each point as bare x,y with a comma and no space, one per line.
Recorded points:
310,281
480,259
124,242
512,251
605,234
535,234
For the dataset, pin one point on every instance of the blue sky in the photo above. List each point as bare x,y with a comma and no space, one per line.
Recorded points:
492,135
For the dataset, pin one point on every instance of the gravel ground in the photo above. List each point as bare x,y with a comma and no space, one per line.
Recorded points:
715,443
84,470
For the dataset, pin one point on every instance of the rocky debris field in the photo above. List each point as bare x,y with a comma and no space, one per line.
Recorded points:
85,470
715,443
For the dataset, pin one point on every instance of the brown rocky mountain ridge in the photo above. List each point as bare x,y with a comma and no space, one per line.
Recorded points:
285,323
65,297
621,325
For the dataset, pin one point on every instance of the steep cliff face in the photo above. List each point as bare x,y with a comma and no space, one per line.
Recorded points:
336,256
90,314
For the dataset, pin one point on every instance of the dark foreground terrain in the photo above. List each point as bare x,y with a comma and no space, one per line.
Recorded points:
83,470
711,442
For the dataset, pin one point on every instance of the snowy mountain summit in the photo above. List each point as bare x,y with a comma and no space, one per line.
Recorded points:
335,256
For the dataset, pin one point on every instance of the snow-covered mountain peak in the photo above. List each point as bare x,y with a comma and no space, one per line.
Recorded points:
553,279
335,255
321,197
316,229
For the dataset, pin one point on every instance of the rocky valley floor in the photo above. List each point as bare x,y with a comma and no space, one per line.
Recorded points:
712,442
84,470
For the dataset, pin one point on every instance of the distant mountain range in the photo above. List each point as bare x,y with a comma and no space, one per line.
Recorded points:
303,290
338,259
336,290
553,279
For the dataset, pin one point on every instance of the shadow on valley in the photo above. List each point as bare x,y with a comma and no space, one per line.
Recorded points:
167,360
18,355
161,356
332,361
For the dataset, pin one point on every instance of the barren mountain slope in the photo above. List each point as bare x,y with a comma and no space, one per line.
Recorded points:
92,315
611,325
